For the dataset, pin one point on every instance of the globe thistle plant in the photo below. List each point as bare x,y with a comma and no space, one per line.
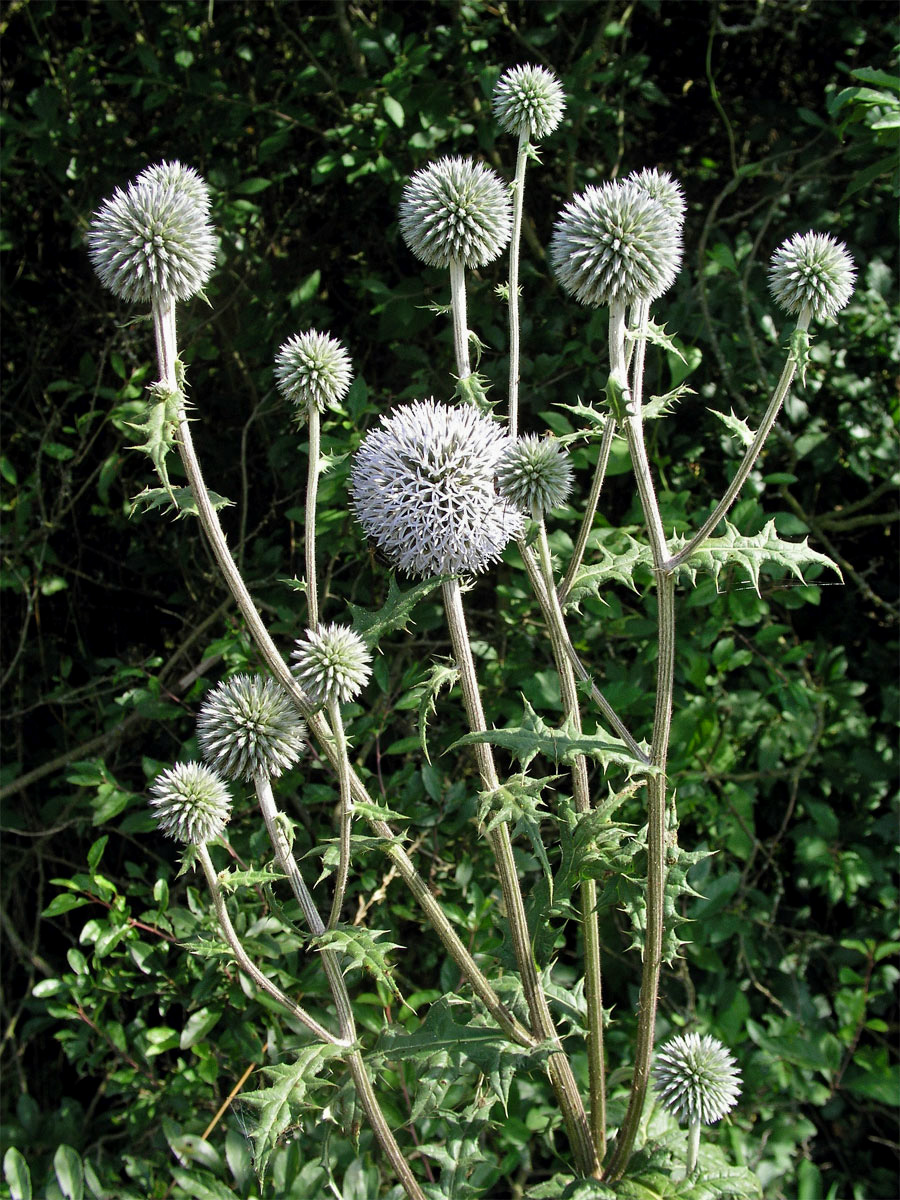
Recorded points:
313,370
812,273
528,101
660,186
248,727
455,209
154,239
422,486
696,1078
615,245
191,803
332,664
535,474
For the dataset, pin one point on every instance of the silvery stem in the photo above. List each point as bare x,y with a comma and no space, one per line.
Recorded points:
693,1148
542,1026
518,200
244,962
309,526
460,325
346,817
606,441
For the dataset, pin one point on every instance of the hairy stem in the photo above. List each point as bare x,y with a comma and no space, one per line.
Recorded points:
606,441
309,523
460,321
518,200
542,1026
346,818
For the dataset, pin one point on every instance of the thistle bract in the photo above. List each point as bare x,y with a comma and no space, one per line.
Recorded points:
615,245
528,100
248,727
332,663
696,1078
457,209
660,186
812,271
313,369
423,488
535,474
154,239
190,803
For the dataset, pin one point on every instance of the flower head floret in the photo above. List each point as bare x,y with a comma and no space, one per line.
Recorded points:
456,209
332,663
190,803
535,474
615,245
660,186
423,488
528,100
153,240
177,175
812,271
249,727
696,1078
313,369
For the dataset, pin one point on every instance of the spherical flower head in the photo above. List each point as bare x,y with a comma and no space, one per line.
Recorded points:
249,727
423,488
696,1078
332,663
180,177
152,240
313,370
535,474
615,245
457,209
812,271
190,803
528,100
660,186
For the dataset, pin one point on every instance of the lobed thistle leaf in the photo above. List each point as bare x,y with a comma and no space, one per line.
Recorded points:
422,487
248,727
333,663
528,100
535,474
660,186
812,271
154,239
190,803
313,369
696,1078
615,245
457,209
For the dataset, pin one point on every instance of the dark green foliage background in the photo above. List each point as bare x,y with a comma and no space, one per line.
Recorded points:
307,119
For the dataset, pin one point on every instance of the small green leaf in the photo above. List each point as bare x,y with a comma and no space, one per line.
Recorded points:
736,426
8,471
394,110
198,1026
69,1172
252,187
63,904
17,1174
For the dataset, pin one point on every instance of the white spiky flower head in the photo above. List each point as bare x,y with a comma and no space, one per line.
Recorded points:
660,186
535,474
615,244
183,178
456,209
313,369
528,100
422,486
190,803
154,239
332,663
696,1078
249,727
812,271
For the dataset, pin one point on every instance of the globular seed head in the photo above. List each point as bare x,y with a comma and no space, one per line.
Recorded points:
248,726
696,1078
528,100
332,663
535,474
313,369
456,209
190,803
812,271
660,186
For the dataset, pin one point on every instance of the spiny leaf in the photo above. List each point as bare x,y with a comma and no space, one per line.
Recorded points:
179,498
443,675
518,801
616,565
395,613
661,406
737,427
750,552
290,1093
364,950
158,428
534,736
458,1156
233,879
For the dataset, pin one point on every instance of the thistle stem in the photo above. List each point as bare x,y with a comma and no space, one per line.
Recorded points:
542,1026
589,919
346,817
318,725
693,1149
587,521
244,962
750,457
460,321
309,527
518,201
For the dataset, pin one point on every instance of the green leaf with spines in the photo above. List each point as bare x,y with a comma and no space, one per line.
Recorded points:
661,406
395,613
364,949
179,498
518,801
292,1091
750,551
442,675
158,427
736,426
233,879
534,736
614,566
